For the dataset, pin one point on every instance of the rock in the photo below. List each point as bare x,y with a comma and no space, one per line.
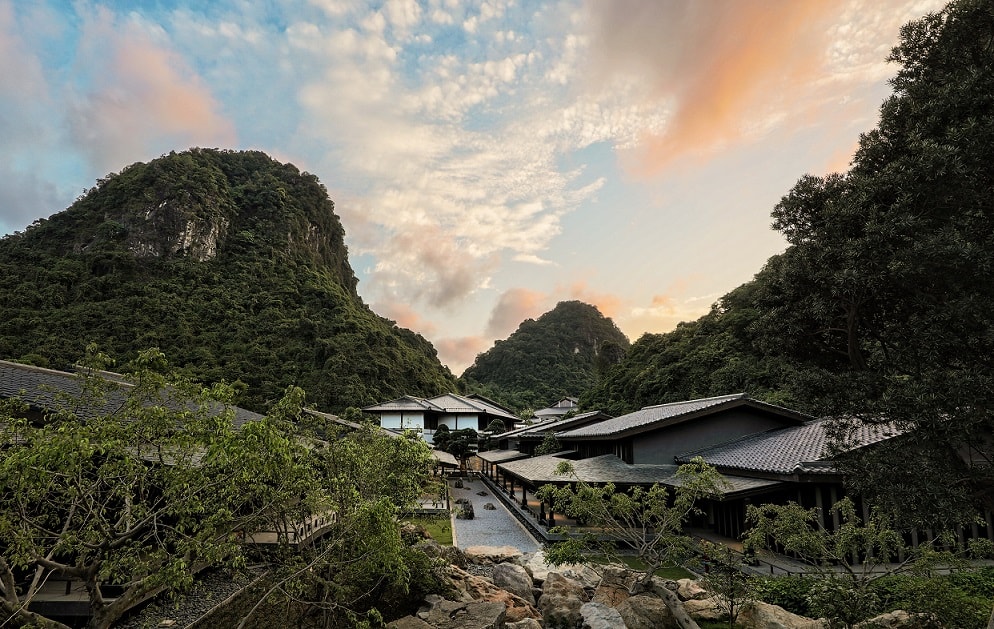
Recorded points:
448,554
615,585
463,501
473,588
704,609
583,573
465,511
600,616
527,623
446,614
689,590
515,580
489,507
535,564
492,554
408,622
482,493
645,611
900,619
458,484
760,615
561,600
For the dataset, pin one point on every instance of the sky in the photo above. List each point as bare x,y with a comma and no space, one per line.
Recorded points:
488,159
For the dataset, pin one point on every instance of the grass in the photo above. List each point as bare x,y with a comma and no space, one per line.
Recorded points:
440,528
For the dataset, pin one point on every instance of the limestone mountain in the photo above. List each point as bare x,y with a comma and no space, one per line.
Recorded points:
231,263
562,353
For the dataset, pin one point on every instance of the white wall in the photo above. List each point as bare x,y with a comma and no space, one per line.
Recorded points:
403,421
458,422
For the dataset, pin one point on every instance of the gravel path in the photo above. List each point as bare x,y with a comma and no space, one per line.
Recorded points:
488,528
210,588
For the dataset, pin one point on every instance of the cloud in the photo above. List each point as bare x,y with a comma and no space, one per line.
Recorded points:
727,72
513,307
459,353
140,98
609,305
405,317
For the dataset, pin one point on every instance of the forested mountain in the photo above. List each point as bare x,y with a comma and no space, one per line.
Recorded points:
231,263
562,353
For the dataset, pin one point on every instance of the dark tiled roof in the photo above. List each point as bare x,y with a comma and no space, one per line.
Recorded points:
610,469
784,450
557,426
50,390
523,429
445,403
672,413
499,456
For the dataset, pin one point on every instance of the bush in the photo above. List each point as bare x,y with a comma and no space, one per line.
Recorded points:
788,592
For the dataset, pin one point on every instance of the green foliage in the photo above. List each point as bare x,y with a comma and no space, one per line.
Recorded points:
790,592
715,355
138,497
725,579
231,263
649,521
560,354
550,445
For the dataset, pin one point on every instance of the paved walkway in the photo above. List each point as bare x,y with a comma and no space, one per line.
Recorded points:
487,528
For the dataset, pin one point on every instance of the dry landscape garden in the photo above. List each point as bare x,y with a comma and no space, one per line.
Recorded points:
203,425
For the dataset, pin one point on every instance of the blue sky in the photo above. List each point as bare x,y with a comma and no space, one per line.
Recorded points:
488,159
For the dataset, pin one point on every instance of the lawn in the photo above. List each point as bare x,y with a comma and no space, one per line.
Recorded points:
439,528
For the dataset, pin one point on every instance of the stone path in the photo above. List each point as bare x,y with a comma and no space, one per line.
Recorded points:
488,528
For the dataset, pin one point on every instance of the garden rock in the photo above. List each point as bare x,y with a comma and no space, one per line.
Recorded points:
458,484
704,609
760,615
561,600
444,614
465,511
492,554
489,507
587,576
473,588
482,493
645,611
515,580
689,590
408,622
900,619
527,623
448,554
600,616
615,585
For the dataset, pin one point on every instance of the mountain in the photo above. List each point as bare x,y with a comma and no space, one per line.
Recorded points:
231,263
562,353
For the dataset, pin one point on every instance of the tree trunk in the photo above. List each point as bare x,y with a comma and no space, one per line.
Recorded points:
680,615
24,618
990,623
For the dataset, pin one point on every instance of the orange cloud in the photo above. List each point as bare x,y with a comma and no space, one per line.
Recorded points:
145,99
720,67
609,305
461,352
513,307
405,317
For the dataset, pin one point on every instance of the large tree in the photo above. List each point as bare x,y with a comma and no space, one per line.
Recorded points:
885,293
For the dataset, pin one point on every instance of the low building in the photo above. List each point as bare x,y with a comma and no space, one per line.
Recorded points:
425,415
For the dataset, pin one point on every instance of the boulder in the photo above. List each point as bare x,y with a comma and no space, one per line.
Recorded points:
458,483
408,622
561,600
448,554
760,615
515,580
482,493
492,554
704,609
689,590
535,564
900,619
615,586
465,511
445,614
470,587
583,573
489,507
600,616
527,623
645,611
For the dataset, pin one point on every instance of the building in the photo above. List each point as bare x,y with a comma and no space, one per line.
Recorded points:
425,415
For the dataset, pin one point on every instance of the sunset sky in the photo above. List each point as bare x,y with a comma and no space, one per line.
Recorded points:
488,159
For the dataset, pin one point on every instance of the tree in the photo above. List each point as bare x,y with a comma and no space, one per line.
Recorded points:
648,520
848,559
884,295
550,445
494,428
141,496
724,578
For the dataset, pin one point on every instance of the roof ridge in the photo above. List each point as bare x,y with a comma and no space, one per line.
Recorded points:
730,396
